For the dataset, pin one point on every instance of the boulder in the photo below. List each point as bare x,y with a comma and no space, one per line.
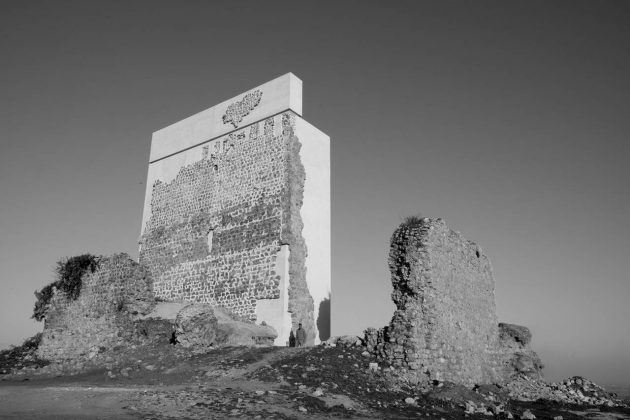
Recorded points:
196,326
201,326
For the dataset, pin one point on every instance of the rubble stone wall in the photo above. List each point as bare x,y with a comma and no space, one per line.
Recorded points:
438,273
445,325
102,314
216,229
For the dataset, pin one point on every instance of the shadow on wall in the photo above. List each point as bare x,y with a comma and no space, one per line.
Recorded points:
323,320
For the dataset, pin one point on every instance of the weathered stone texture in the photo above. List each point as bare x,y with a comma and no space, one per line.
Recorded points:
200,326
102,314
445,325
517,355
215,231
445,322
117,308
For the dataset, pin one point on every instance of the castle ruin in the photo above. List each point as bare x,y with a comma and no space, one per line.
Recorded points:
237,211
236,229
445,325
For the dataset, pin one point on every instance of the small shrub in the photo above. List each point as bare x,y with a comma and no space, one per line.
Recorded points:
69,272
42,298
18,357
412,220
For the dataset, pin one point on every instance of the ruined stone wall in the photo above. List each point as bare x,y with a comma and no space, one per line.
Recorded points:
215,230
445,324
102,314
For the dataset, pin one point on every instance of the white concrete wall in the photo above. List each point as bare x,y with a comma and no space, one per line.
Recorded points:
315,212
278,95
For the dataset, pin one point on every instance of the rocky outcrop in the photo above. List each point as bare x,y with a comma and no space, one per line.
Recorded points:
445,325
518,356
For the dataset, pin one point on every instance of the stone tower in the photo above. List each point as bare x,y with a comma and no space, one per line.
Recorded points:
237,210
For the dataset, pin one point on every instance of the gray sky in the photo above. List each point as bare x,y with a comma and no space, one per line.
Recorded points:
509,120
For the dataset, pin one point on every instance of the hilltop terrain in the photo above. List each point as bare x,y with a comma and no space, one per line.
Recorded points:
165,381
111,349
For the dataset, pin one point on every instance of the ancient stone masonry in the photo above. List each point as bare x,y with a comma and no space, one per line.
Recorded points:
116,308
102,315
224,219
445,325
238,197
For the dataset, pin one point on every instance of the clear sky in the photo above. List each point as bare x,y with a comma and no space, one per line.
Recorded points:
510,120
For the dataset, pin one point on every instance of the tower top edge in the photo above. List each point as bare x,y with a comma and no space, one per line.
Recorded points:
280,94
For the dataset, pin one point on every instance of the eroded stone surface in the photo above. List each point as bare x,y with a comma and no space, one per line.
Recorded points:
200,326
519,358
445,326
116,309
103,314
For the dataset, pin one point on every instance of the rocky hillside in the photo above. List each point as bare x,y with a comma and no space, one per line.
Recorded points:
340,379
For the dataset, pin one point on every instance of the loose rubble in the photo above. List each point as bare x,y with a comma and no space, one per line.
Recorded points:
574,390
327,381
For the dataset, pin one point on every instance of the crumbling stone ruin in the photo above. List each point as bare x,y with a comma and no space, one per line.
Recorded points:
236,242
235,245
102,315
237,211
116,308
445,325
518,357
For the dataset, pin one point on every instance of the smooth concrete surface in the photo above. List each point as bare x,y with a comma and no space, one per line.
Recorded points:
278,95
315,211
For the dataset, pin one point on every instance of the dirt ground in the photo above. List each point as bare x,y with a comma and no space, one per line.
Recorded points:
64,402
242,382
